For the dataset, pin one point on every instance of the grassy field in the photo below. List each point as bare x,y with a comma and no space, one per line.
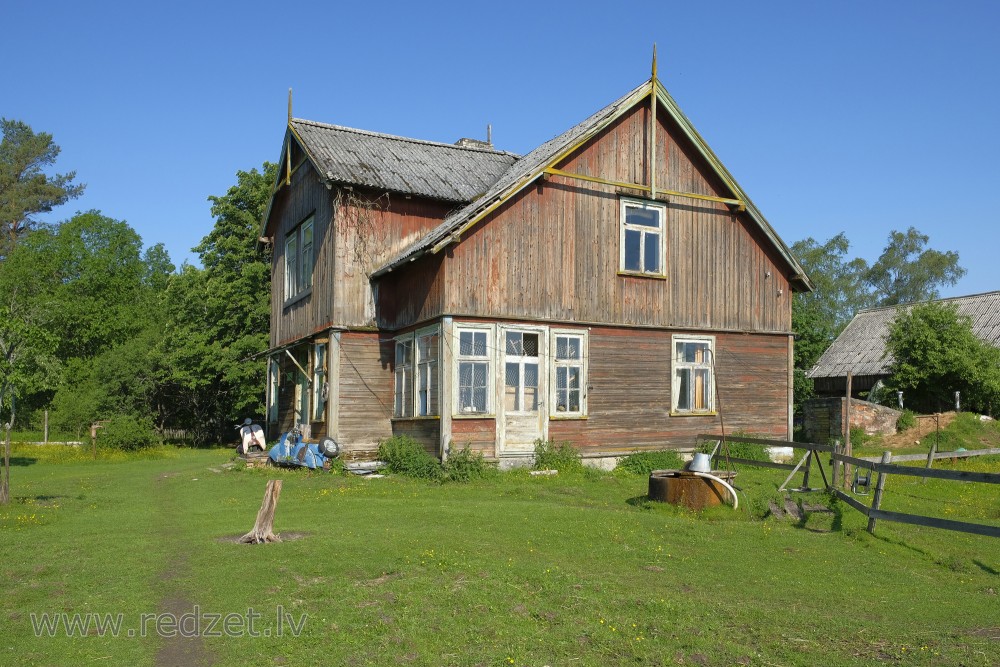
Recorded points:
567,570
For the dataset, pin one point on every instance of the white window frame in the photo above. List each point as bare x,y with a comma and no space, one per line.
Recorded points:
407,377
300,244
487,358
522,360
319,386
403,377
645,232
556,363
429,368
273,378
677,364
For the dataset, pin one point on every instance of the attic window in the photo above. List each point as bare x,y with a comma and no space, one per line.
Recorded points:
641,238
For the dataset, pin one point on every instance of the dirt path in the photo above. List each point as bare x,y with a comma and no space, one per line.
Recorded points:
910,437
176,649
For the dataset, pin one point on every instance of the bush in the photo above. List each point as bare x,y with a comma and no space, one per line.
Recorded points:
127,434
907,420
561,456
737,449
643,463
464,465
405,456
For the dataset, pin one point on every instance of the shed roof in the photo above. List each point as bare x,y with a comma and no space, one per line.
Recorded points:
397,164
528,168
860,348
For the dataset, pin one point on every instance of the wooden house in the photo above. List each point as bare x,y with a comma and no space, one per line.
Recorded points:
614,287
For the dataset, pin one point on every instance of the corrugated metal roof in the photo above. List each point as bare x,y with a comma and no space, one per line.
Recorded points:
860,348
398,164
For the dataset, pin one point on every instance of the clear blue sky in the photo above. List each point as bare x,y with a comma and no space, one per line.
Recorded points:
860,117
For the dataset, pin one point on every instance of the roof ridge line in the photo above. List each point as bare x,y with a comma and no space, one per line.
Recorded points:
917,303
398,137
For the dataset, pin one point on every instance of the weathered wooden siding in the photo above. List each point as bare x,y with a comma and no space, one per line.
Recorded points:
368,229
425,431
478,434
365,392
629,391
294,203
371,229
552,252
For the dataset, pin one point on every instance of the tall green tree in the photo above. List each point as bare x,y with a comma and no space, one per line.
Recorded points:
908,271
219,315
935,353
25,188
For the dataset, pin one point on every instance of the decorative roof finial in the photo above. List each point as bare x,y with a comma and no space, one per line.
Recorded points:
653,78
290,98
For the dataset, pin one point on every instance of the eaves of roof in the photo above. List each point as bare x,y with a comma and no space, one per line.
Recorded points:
530,167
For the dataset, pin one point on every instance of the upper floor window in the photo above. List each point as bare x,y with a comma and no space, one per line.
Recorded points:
299,259
642,237
693,374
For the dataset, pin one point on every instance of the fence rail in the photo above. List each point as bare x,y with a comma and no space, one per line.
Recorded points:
884,466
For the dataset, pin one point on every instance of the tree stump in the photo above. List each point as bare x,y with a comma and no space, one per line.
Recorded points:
262,529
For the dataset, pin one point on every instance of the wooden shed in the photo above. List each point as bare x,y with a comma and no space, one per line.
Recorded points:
614,287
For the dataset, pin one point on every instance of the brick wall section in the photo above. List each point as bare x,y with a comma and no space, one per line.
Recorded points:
824,418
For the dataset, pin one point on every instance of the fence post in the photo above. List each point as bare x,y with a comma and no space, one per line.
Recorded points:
848,449
46,438
877,499
930,459
834,464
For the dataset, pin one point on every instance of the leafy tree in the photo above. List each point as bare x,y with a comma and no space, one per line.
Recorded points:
907,271
935,353
218,316
25,188
102,314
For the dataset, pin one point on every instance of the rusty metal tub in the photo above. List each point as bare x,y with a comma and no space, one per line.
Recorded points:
683,487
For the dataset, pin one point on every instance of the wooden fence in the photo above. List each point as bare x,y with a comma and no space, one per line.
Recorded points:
883,466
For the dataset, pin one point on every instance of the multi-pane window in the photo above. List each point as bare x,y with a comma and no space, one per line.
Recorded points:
642,237
521,372
299,259
473,372
693,369
427,374
568,362
416,374
319,387
404,378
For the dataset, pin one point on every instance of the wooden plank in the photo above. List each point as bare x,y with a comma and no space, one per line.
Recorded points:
754,462
935,473
940,455
879,486
851,501
770,443
933,522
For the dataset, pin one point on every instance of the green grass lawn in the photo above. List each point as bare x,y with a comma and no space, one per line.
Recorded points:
567,570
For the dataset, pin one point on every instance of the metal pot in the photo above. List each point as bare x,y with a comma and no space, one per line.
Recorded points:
700,463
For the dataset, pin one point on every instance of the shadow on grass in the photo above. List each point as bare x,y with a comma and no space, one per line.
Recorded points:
984,567
643,502
23,460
